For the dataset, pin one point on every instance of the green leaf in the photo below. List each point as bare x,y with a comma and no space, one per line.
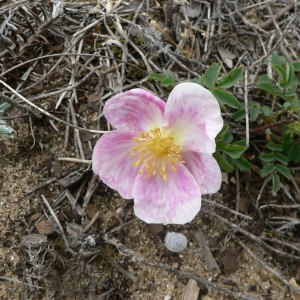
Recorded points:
297,66
229,159
290,72
169,78
274,147
276,182
155,76
266,110
241,142
198,80
228,137
231,78
284,171
287,72
239,115
268,157
281,71
226,98
211,75
223,163
268,87
167,81
254,112
292,89
169,74
294,154
281,158
243,164
265,85
267,170
223,131
287,84
234,150
278,59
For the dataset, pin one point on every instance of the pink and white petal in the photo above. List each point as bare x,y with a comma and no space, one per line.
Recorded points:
205,169
135,110
112,161
193,117
175,201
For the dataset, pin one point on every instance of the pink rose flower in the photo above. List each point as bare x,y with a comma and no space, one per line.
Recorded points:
161,153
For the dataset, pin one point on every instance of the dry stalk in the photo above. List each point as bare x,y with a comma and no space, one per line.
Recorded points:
139,258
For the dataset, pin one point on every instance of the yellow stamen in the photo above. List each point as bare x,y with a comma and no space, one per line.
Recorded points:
156,151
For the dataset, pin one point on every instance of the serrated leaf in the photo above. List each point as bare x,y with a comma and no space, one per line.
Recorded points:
239,115
198,80
243,164
155,76
223,163
226,98
234,150
231,78
281,158
267,170
284,171
268,157
211,75
274,147
276,182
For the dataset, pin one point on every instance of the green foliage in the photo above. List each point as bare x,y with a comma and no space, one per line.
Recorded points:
210,80
226,98
283,89
167,79
211,75
228,154
228,80
282,148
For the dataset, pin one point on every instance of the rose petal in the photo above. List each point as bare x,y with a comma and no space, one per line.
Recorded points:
193,117
205,169
135,110
175,201
112,161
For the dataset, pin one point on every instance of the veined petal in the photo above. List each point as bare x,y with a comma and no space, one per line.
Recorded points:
193,117
112,161
175,201
135,110
205,169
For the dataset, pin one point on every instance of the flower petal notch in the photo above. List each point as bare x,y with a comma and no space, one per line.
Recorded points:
161,153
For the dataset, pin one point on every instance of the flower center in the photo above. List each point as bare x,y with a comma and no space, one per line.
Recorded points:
156,152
